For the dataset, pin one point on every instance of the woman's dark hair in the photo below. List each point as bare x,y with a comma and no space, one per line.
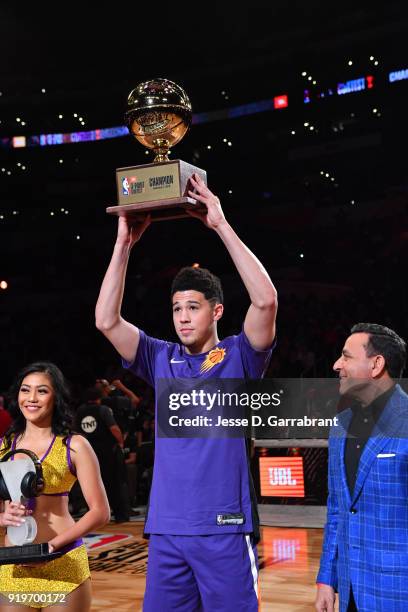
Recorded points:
199,279
61,424
386,342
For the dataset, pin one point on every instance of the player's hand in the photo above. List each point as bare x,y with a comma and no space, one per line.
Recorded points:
131,230
213,217
13,515
325,598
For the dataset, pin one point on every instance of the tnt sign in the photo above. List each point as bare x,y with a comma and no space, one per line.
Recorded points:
282,476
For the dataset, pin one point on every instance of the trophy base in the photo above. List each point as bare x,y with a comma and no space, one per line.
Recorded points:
29,553
159,210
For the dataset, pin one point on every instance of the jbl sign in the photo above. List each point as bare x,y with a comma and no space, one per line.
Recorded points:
281,476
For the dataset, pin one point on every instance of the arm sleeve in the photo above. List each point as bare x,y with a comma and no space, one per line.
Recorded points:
144,364
107,417
255,362
328,560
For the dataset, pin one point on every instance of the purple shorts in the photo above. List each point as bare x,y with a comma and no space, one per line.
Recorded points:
201,574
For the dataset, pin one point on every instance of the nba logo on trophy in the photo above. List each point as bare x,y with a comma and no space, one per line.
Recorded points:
125,186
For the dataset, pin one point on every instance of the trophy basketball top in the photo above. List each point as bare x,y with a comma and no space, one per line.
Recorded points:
158,115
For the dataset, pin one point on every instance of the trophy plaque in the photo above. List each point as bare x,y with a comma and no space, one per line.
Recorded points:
29,553
158,115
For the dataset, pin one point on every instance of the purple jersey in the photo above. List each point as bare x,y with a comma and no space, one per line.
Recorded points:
196,480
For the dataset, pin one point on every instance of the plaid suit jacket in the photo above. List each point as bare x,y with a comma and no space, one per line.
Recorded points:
366,534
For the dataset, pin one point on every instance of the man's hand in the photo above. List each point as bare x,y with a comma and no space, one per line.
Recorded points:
118,384
131,230
325,598
214,216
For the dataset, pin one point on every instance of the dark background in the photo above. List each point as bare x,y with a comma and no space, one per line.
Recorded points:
352,230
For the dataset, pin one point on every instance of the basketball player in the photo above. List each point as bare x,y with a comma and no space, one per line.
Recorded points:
201,518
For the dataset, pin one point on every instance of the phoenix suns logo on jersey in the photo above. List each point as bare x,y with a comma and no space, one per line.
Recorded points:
213,358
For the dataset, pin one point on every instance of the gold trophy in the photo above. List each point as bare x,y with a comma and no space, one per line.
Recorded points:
158,115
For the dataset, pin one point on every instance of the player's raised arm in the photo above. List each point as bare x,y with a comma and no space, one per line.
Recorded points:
123,335
260,320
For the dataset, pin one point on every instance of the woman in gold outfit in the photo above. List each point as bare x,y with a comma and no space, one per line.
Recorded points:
40,409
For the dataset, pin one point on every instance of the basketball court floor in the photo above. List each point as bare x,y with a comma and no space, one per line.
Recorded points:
288,559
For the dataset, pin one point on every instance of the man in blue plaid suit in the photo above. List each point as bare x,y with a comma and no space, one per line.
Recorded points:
365,548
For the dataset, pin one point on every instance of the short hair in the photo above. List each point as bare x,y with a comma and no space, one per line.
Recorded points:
198,279
386,342
93,394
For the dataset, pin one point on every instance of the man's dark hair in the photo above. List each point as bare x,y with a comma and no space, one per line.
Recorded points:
384,341
93,394
199,279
